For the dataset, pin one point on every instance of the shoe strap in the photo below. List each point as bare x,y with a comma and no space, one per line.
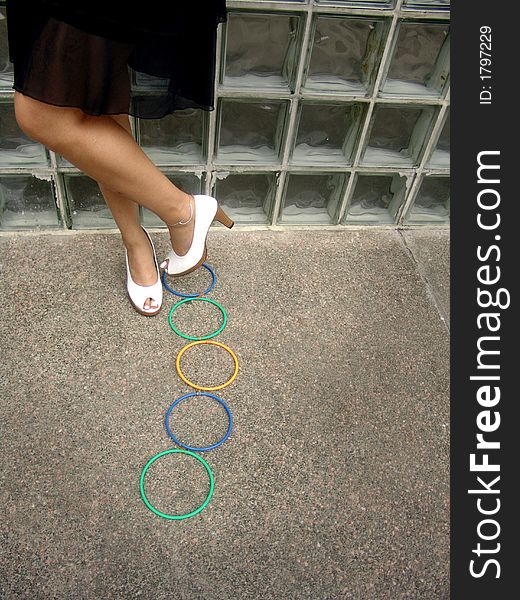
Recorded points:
187,220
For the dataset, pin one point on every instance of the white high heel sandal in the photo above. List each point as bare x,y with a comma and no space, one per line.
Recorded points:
204,209
138,294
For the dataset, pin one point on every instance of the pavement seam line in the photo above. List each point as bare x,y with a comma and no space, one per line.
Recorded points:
424,277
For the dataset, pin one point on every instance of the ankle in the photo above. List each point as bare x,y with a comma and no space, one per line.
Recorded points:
182,212
136,241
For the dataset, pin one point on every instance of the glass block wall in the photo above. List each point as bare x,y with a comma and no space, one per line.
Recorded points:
328,112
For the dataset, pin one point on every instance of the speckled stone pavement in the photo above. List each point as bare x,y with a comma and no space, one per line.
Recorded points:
334,484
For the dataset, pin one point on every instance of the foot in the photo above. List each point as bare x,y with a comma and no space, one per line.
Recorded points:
142,265
181,226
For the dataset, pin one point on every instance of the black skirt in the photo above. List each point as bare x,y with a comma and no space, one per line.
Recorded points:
104,58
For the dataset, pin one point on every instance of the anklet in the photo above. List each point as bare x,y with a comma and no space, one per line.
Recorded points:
187,220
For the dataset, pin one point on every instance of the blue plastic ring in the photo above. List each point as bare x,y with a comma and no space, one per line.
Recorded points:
213,282
192,448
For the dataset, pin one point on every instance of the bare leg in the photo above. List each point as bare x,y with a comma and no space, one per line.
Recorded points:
103,149
126,216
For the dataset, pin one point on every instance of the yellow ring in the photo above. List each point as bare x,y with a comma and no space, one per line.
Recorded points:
200,387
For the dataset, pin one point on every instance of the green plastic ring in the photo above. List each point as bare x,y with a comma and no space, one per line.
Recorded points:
193,512
205,337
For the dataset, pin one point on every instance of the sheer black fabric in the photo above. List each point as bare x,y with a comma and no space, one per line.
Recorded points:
105,58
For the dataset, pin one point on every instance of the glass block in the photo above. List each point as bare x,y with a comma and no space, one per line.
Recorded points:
246,197
432,204
312,199
251,131
427,4
376,199
6,68
345,54
27,202
397,135
261,50
16,149
175,139
187,182
327,133
420,62
63,162
87,206
142,82
441,156
359,3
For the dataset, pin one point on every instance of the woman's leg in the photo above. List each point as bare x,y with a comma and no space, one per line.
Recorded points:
126,216
104,150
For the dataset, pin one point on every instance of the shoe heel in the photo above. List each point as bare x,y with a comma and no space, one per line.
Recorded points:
221,217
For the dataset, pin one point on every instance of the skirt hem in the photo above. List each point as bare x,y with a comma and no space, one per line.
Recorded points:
95,113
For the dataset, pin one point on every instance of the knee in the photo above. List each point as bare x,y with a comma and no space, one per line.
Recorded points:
44,123
29,116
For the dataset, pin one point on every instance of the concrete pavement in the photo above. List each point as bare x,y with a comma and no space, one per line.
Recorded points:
334,484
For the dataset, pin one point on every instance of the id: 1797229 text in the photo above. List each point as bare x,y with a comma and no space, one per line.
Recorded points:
485,64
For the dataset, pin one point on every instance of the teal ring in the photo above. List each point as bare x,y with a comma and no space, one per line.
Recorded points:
193,512
205,337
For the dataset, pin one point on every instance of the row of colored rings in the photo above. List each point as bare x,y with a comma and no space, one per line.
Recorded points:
189,450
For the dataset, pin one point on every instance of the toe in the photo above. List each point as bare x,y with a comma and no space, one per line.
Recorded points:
166,266
150,304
